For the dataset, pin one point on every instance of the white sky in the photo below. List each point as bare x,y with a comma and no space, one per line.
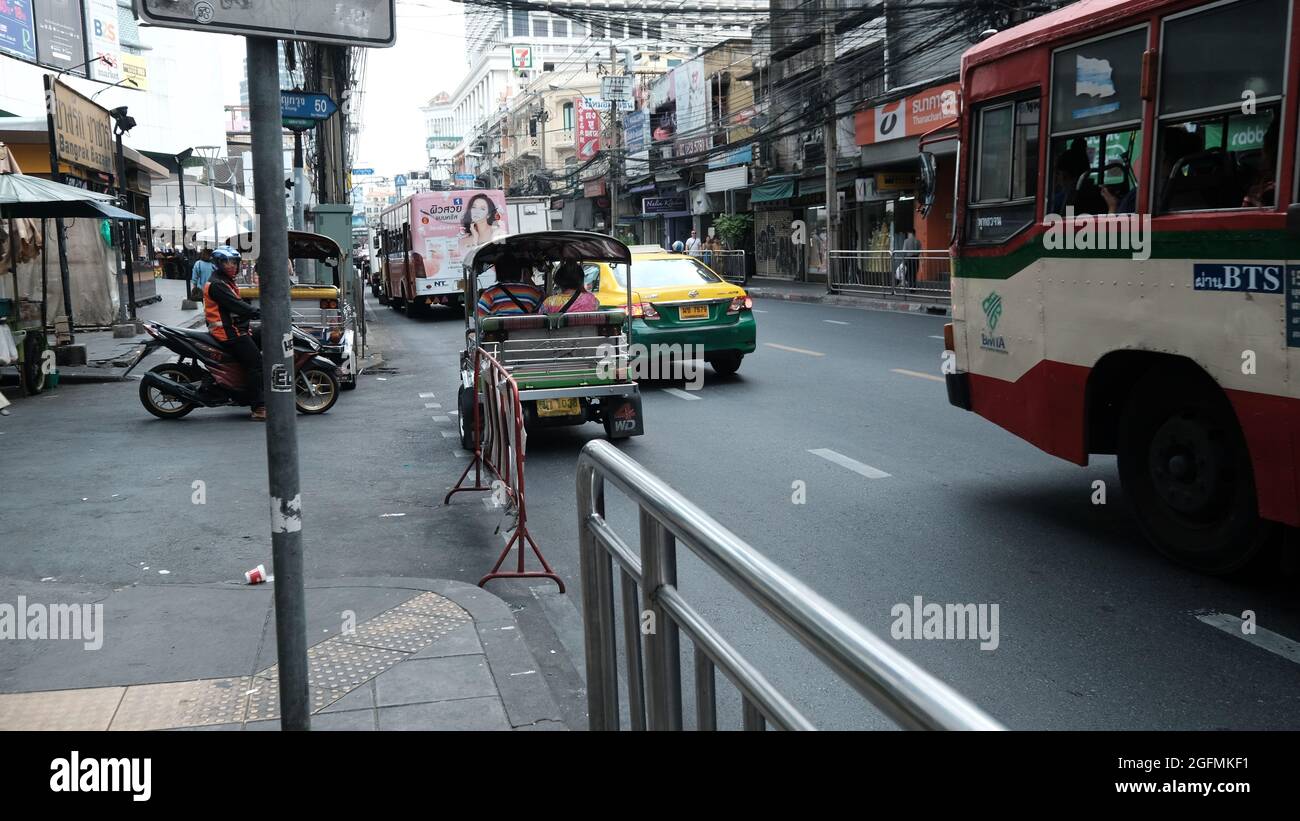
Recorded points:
429,57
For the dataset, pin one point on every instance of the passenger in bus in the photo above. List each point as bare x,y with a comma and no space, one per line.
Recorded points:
570,296
510,295
1263,191
1119,201
1070,165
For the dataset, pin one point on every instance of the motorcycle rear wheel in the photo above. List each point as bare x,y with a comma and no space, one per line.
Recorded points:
164,405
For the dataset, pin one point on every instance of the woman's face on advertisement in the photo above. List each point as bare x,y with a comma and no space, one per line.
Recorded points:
479,210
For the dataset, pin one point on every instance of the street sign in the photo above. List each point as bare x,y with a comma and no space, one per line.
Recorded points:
356,23
626,105
616,88
294,124
521,56
306,105
596,104
400,180
466,177
363,172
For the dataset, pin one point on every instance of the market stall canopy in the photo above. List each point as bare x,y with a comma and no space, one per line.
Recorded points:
23,196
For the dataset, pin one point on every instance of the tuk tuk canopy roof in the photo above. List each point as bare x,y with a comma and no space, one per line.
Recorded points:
551,246
302,245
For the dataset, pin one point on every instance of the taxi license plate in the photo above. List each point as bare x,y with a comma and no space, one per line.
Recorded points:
558,407
693,312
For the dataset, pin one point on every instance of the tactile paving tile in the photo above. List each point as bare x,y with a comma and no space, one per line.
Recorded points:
182,704
265,701
334,668
404,630
432,604
87,709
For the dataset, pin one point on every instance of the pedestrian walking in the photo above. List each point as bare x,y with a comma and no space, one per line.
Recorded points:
911,257
692,243
200,274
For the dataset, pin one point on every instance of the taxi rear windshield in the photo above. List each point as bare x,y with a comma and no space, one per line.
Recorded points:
660,273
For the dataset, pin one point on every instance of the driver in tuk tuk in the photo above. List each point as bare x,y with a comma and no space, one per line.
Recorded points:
511,296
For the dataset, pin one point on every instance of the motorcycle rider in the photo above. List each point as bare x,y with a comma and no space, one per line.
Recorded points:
228,316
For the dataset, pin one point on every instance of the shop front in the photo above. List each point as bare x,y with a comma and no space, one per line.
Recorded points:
888,137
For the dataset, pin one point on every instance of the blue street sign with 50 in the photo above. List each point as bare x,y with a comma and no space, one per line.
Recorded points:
306,105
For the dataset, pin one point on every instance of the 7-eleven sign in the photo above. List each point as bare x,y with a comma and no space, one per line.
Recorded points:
521,56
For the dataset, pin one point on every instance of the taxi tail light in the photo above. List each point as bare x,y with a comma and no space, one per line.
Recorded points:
947,338
644,310
329,303
740,303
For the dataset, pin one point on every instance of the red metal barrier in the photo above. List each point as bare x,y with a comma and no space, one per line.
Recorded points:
499,442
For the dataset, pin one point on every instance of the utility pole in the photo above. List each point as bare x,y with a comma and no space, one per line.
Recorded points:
299,183
828,137
278,383
614,165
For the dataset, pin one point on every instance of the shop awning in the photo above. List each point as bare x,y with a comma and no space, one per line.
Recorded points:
782,189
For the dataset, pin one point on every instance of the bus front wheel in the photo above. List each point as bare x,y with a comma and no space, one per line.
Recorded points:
1187,475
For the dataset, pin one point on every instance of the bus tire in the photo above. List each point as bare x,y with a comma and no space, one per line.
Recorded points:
1187,474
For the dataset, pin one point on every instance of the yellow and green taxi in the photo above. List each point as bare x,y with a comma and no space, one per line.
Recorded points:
677,300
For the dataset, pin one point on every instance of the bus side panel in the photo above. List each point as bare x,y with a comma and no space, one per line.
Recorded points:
1045,407
1271,425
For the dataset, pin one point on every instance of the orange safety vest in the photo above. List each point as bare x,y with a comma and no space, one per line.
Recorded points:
212,312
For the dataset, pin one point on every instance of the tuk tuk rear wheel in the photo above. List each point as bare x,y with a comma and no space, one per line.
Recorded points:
465,417
32,368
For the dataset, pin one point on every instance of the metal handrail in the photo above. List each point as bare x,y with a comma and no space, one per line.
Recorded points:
899,688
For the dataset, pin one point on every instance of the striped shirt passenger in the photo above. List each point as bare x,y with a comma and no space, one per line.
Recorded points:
510,296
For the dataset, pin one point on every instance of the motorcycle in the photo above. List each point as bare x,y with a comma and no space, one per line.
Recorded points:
212,377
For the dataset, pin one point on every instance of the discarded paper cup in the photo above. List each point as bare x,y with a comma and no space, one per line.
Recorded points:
256,576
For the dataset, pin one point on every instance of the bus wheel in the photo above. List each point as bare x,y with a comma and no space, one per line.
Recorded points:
382,295
1187,475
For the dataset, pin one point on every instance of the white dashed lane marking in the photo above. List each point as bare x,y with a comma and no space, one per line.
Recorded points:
450,434
834,322
442,418
792,350
1275,643
917,374
427,395
852,464
680,394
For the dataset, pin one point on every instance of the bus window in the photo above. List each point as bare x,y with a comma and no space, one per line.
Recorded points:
1218,133
1005,182
1096,125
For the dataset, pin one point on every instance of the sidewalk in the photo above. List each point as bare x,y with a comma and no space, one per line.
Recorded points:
108,358
384,654
763,288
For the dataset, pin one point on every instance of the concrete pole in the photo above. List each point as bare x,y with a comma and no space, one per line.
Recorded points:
613,150
278,382
829,138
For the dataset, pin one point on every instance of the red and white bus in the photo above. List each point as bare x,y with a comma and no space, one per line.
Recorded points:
423,239
1127,258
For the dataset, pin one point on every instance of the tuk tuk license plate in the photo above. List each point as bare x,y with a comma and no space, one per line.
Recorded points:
558,407
693,312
